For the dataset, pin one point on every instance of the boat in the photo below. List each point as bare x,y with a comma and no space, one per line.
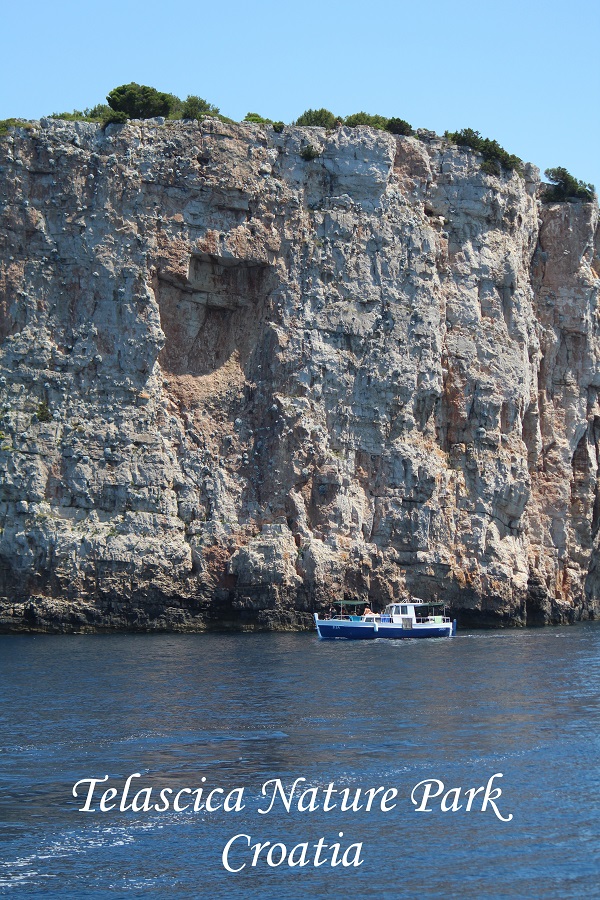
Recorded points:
407,619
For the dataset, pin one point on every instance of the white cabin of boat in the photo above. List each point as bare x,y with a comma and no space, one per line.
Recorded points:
414,612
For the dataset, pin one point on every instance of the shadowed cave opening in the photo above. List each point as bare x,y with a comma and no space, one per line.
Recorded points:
216,311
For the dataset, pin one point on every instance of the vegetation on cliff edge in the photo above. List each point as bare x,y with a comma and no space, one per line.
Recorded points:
324,118
565,188
140,101
5,124
495,157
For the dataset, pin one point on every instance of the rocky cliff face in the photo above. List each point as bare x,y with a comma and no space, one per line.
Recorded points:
237,385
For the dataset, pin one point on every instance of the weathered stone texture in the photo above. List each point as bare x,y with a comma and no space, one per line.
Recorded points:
237,386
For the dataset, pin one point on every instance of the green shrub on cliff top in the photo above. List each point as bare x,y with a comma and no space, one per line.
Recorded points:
95,114
98,111
5,124
566,188
114,117
363,118
324,118
399,126
196,108
495,157
78,115
257,119
394,125
321,118
139,101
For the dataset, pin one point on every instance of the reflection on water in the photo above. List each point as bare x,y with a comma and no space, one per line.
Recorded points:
239,709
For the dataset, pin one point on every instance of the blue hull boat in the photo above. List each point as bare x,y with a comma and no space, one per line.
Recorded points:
414,619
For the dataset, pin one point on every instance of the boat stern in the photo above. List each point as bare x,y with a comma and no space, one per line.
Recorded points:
316,618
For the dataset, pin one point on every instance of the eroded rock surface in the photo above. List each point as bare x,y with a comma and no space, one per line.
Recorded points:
237,386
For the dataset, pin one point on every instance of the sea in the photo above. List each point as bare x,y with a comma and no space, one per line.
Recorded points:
462,767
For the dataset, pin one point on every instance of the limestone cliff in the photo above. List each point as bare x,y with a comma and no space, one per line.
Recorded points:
237,385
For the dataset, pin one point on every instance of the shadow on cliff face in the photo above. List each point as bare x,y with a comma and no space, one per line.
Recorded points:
13,311
212,314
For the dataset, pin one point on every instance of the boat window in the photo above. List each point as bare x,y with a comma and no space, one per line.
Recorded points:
404,610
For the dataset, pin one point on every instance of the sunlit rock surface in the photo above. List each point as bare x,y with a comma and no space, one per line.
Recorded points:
237,386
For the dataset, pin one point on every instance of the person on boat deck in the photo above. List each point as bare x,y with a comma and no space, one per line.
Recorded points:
368,611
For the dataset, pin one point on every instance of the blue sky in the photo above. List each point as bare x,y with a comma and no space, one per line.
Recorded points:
521,71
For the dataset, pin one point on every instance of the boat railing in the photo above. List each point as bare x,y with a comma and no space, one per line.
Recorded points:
352,618
384,619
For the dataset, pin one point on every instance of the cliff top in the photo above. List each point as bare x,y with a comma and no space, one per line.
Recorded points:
313,142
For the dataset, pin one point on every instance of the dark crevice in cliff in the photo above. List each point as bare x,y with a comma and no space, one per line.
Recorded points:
531,435
213,313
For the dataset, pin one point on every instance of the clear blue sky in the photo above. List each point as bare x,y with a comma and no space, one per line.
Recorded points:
521,71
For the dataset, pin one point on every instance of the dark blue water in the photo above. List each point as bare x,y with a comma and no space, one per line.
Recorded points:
241,709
